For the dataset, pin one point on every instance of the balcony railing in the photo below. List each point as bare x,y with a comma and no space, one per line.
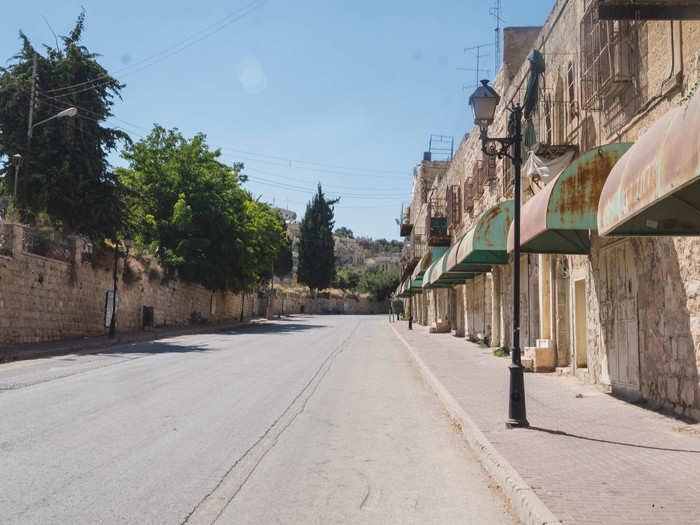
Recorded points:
436,223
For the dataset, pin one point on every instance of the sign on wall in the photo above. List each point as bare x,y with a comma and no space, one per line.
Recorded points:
108,307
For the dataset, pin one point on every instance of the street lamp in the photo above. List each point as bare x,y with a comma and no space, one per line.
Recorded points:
68,112
483,102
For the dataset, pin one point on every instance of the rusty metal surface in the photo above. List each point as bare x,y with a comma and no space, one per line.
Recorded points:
568,202
486,242
653,189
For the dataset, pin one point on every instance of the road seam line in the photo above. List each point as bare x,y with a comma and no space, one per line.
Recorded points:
529,507
212,506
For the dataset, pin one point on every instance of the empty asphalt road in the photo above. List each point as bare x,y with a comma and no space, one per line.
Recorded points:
310,419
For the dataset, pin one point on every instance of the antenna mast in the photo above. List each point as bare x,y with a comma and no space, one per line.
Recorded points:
495,11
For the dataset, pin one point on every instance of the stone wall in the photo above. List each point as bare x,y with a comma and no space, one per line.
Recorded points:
44,298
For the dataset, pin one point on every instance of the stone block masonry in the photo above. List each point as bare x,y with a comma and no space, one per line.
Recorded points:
44,299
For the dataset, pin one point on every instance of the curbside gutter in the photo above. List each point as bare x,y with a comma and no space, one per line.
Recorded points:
528,506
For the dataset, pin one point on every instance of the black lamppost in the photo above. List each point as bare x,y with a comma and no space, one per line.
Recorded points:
483,102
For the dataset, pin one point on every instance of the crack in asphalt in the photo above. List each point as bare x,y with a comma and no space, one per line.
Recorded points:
212,506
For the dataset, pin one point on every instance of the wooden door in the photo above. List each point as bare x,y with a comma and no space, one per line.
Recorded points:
621,323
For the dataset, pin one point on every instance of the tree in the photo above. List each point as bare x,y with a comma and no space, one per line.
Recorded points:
189,208
316,257
378,284
284,262
346,279
344,232
70,176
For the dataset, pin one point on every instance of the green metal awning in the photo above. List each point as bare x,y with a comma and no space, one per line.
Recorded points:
475,251
445,275
485,244
429,258
416,286
654,189
558,218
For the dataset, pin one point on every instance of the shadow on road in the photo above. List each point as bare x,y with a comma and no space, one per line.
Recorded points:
178,346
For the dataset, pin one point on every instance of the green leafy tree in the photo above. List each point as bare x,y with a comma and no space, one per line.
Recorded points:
346,279
189,208
284,262
70,177
344,232
316,257
378,284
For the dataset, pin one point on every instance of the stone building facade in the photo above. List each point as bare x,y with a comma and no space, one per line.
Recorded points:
626,313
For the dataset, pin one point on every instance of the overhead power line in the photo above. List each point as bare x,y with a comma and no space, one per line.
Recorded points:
166,53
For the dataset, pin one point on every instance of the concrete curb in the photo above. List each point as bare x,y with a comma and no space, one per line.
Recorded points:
528,506
27,351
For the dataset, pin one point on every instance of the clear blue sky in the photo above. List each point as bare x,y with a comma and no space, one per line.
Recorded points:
301,91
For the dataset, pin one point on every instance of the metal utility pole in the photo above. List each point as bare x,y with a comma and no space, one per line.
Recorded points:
28,147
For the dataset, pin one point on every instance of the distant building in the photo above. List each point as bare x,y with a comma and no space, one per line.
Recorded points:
348,252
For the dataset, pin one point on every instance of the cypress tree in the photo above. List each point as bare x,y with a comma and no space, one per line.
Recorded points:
316,258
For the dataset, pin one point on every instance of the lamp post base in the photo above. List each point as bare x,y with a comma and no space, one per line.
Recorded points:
516,400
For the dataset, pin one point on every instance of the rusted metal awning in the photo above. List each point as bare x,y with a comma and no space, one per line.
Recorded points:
429,258
654,189
445,274
558,218
485,244
475,251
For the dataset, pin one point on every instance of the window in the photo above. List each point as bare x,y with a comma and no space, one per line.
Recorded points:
572,92
606,55
478,179
489,163
468,194
454,209
548,120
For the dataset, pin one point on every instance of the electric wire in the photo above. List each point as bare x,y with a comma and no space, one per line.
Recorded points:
203,34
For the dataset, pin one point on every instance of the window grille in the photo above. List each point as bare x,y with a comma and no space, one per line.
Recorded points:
570,80
454,211
606,54
468,194
478,179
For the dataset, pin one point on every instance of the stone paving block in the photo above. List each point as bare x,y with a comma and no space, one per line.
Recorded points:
592,459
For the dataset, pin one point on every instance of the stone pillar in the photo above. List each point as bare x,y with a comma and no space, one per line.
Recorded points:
545,295
543,355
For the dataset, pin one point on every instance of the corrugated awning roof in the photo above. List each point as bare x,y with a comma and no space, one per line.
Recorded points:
557,219
654,189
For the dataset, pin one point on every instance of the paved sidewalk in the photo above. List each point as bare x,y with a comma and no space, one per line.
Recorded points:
69,346
592,459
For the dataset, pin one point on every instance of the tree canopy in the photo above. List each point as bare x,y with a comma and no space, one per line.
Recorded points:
70,177
344,232
189,208
316,258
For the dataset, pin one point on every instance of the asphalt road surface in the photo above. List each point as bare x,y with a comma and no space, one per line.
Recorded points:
311,419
